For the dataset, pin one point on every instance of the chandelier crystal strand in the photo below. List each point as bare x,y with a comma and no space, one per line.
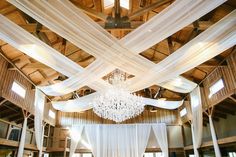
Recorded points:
117,103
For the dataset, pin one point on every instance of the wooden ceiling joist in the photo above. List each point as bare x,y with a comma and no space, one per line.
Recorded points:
148,8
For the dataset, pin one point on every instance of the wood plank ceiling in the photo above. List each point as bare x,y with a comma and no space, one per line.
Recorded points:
140,11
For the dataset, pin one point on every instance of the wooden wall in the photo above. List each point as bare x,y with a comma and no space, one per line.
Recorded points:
7,77
88,117
227,73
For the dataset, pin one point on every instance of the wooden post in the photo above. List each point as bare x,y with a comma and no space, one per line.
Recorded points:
65,147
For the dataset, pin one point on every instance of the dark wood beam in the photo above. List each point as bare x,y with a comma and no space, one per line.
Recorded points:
14,116
148,8
224,109
219,114
91,12
3,101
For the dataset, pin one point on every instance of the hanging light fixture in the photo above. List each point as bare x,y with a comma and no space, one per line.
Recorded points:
117,103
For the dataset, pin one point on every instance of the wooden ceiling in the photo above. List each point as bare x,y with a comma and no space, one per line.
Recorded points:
140,11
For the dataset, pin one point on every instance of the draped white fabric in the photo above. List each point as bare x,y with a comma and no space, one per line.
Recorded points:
142,134
213,41
197,120
118,140
73,82
206,6
85,103
38,119
35,48
75,134
214,138
176,16
41,144
20,152
89,23
160,132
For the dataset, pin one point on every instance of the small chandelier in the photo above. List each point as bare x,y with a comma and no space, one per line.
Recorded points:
117,103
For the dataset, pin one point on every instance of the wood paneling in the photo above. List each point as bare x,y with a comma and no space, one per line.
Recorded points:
88,117
227,73
7,77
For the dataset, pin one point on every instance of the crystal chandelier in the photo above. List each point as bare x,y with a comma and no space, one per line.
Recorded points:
117,103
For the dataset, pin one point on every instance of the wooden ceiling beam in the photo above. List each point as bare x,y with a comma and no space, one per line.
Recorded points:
7,10
15,117
225,110
233,99
148,8
91,12
3,101
219,114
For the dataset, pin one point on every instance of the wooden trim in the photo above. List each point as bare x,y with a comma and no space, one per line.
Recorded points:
209,143
11,143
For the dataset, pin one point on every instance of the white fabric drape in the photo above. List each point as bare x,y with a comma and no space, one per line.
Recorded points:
97,68
20,152
142,134
38,119
69,9
160,132
75,134
214,138
41,144
176,16
197,120
35,48
204,5
118,140
85,103
213,41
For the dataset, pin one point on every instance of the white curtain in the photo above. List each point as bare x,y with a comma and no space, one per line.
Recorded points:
75,134
97,45
160,132
85,103
41,144
118,140
38,119
214,138
28,44
197,120
22,139
142,134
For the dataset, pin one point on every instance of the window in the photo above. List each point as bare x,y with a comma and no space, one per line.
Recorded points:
110,3
216,87
232,154
183,112
18,89
52,114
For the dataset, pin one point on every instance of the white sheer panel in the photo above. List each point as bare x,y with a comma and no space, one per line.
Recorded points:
38,119
85,103
216,39
20,152
160,132
41,144
179,84
197,121
35,48
106,37
75,134
214,138
94,70
142,134
117,140
176,16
